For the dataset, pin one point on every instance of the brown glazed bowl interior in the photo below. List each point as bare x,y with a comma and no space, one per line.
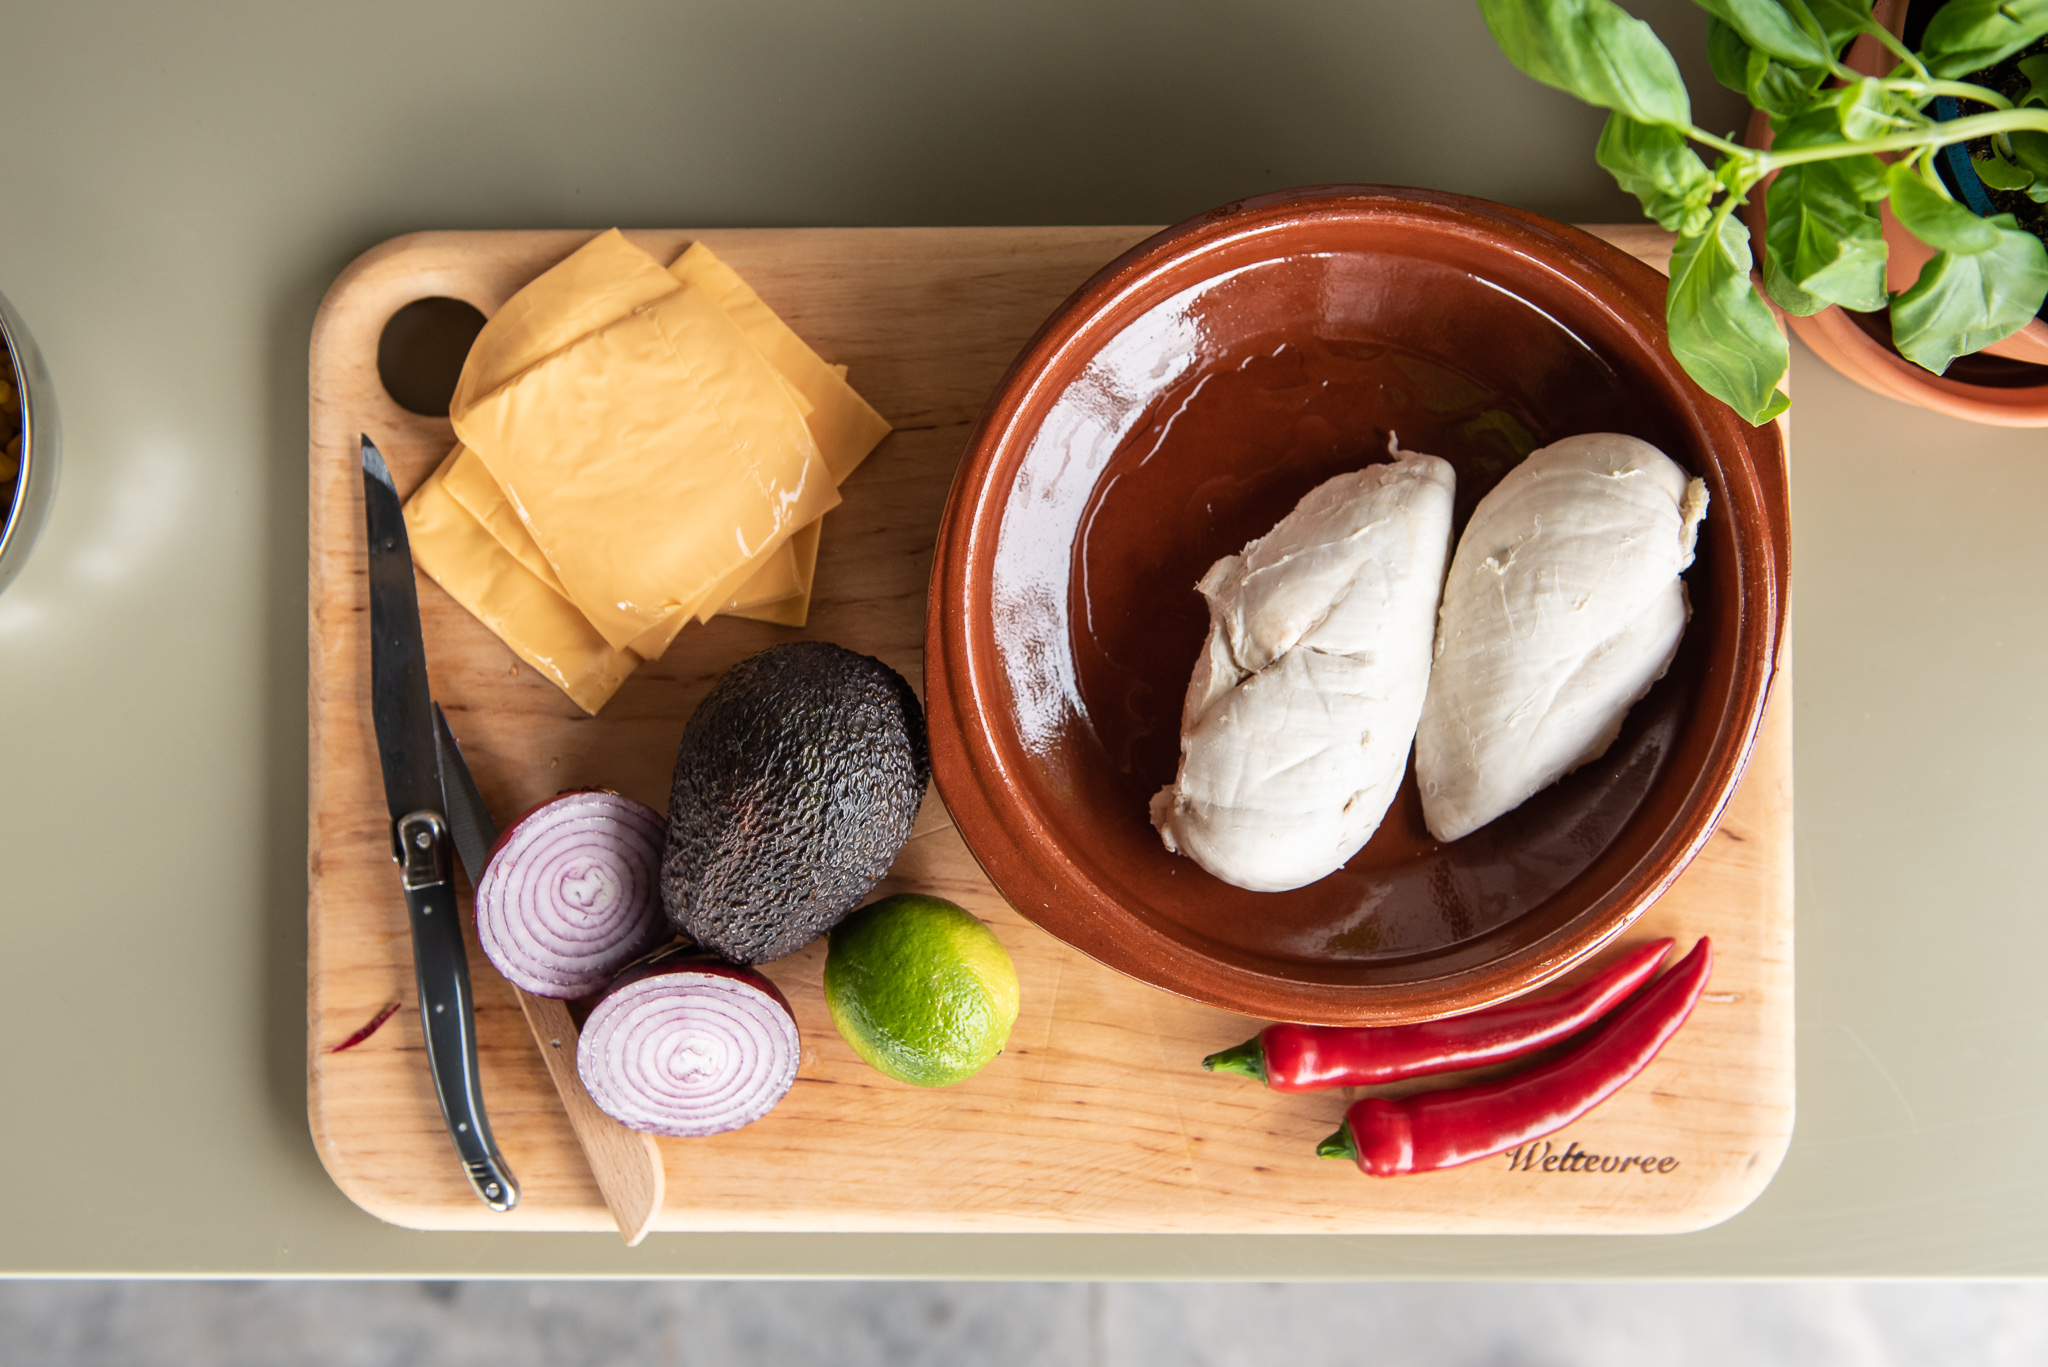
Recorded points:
1176,407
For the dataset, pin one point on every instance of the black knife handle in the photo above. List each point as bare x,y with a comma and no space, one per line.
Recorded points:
442,967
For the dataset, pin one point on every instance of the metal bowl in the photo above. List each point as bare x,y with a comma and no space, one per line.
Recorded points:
26,501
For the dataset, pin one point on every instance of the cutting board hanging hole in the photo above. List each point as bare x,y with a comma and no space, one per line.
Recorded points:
421,351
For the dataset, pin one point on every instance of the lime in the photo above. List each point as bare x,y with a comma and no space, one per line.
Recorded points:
921,989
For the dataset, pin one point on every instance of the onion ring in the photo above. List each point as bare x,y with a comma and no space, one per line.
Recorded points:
572,893
688,1048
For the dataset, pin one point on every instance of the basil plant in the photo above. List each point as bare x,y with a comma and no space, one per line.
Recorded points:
1824,244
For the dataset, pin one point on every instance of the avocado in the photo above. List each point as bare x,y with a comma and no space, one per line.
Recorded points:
796,783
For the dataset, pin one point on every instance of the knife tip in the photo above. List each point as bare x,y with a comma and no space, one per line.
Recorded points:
374,466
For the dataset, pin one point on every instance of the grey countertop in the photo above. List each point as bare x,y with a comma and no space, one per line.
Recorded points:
180,182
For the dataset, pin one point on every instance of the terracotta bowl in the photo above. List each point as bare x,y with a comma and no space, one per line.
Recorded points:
1176,407
25,495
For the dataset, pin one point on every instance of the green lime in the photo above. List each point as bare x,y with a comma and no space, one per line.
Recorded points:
921,989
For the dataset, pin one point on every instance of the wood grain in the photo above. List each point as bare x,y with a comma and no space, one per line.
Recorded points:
1098,1116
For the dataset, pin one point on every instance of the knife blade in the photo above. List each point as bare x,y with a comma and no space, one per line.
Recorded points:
401,709
627,1165
469,820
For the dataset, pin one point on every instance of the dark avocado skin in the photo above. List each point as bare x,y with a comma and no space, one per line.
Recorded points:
797,781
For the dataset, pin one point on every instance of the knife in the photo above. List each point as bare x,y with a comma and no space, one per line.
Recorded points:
402,711
627,1165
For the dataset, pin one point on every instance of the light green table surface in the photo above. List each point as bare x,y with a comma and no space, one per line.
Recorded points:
179,183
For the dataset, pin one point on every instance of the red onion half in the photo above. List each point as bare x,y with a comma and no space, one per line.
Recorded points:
688,1048
572,893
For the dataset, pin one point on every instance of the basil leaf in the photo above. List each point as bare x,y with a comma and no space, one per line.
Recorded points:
1653,162
1765,26
1822,128
2035,69
1962,304
1806,128
2001,174
1966,36
1785,292
1864,110
2030,149
1780,89
1721,332
1728,56
1595,50
1823,241
1867,174
1842,20
1934,218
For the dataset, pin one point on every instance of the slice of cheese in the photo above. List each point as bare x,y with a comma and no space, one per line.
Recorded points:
599,283
797,397
846,426
728,590
654,642
651,460
784,577
542,627
469,483
793,609
778,592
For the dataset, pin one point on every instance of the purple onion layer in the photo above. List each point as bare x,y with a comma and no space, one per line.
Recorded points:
572,894
689,1051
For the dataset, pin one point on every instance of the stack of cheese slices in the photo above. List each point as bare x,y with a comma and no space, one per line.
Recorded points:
639,447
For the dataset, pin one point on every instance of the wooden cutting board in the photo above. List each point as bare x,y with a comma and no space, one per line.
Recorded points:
1098,1116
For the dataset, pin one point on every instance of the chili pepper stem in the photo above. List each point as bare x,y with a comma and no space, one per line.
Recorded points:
1248,1058
1342,1144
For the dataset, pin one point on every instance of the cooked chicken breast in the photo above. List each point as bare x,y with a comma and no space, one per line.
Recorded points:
1562,608
1296,728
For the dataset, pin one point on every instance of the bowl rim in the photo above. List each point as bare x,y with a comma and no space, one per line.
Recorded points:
35,483
1052,892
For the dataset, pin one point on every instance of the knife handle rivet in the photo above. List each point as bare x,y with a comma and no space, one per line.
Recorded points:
437,1008
463,1126
557,1043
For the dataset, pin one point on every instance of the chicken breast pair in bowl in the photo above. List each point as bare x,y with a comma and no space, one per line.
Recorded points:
1221,568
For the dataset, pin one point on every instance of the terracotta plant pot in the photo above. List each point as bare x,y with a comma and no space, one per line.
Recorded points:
2005,385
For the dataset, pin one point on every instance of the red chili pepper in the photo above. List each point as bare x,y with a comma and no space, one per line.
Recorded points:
1443,1129
368,1030
1307,1058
